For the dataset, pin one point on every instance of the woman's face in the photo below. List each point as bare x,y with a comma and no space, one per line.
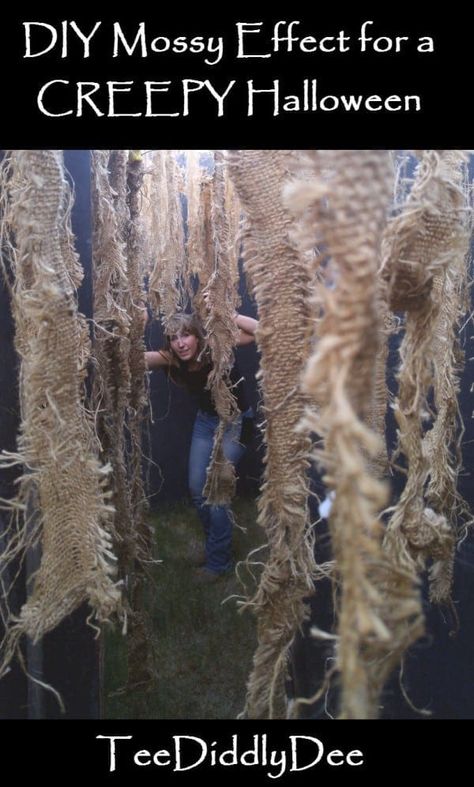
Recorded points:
185,345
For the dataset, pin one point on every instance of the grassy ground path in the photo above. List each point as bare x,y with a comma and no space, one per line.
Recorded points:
203,645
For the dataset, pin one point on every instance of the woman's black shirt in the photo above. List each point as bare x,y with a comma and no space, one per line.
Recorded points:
196,380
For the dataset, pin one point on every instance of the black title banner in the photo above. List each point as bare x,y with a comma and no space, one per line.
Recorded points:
298,78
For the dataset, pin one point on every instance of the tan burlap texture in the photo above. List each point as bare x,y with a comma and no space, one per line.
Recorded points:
430,239
168,283
119,385
111,347
220,294
343,205
56,444
280,279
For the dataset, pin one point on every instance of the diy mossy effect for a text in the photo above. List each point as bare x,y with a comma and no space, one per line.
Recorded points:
250,42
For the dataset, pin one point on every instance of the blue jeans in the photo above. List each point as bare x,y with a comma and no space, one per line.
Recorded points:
217,520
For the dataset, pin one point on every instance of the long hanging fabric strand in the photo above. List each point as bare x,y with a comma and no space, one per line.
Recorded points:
379,612
423,247
56,444
280,279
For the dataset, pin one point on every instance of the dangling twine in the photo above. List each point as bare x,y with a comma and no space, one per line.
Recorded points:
233,213
435,232
375,419
280,277
221,295
117,168
134,298
442,443
202,254
70,256
379,608
201,213
120,379
193,188
56,444
112,379
140,659
155,211
168,284
199,242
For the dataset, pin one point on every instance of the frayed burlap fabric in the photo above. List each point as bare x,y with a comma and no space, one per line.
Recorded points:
376,417
140,656
56,444
280,280
134,299
119,388
344,204
202,233
221,297
154,208
200,244
429,238
112,379
442,443
168,284
196,216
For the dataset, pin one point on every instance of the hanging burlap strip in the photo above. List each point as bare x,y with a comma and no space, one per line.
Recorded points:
376,417
195,176
112,378
56,444
280,278
233,212
141,671
220,293
168,284
120,379
379,611
155,209
442,443
204,264
431,236
134,298
200,237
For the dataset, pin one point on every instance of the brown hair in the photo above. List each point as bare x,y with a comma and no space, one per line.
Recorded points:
180,322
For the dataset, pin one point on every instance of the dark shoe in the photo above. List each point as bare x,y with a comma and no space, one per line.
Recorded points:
204,576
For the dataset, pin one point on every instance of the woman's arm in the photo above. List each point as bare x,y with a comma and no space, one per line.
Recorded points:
157,359
247,327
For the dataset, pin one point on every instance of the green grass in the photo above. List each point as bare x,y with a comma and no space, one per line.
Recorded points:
203,646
